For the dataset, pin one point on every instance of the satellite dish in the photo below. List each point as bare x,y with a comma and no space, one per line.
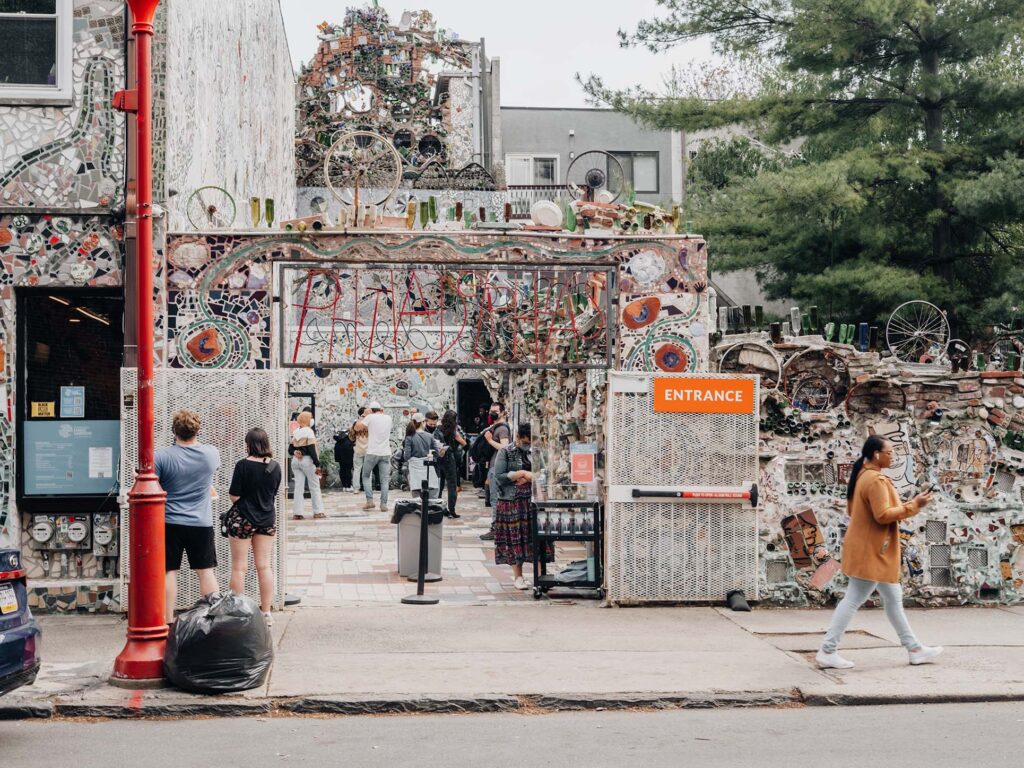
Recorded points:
593,173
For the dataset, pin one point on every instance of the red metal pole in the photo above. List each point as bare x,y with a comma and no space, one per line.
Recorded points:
143,653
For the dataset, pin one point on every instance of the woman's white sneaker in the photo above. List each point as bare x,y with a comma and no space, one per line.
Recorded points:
268,619
520,583
925,654
833,661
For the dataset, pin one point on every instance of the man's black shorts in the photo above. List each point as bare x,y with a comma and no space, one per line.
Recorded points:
195,541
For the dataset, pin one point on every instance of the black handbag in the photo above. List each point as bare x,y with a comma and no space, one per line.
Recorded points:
224,518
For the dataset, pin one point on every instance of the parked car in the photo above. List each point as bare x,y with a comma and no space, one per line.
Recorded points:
19,632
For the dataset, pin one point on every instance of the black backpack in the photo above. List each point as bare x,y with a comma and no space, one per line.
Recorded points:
481,451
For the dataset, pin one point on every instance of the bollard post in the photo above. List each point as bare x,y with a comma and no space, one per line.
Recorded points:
421,572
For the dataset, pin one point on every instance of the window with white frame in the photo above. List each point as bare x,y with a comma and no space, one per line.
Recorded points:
35,51
640,169
532,170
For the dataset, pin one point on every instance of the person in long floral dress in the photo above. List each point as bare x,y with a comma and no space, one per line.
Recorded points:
513,478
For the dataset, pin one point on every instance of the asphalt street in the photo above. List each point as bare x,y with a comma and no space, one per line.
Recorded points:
931,736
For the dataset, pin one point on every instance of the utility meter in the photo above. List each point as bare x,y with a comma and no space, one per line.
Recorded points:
41,531
77,531
104,535
72,532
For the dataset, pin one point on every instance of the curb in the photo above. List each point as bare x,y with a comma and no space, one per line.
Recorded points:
163,709
868,700
350,705
359,705
573,702
26,711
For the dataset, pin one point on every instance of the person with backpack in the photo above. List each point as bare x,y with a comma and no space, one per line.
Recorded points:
249,523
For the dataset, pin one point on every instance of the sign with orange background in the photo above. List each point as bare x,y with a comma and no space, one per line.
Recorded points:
703,395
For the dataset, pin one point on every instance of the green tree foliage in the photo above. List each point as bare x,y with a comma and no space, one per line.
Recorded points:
910,177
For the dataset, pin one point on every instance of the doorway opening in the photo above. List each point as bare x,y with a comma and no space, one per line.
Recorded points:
472,399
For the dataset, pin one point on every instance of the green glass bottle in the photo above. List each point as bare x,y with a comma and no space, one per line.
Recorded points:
570,218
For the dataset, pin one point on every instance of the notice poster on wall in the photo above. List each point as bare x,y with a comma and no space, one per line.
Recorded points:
101,462
44,410
72,402
70,458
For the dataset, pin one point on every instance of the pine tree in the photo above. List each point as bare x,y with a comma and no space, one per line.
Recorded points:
910,181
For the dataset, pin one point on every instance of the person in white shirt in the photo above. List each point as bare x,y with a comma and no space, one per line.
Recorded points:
378,454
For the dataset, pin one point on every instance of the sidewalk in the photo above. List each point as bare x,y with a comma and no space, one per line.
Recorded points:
370,657
351,556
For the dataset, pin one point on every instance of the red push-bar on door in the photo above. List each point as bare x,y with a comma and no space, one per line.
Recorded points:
700,494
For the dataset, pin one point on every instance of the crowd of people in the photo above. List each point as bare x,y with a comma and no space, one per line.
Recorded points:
502,467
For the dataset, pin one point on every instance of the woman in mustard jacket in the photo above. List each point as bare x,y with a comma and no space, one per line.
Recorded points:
871,553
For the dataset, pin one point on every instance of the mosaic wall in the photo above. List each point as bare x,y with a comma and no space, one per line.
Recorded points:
72,157
431,315
74,598
957,431
371,74
462,122
38,251
668,333
244,92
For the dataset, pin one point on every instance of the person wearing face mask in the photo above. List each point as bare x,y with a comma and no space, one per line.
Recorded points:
430,422
871,554
418,445
513,485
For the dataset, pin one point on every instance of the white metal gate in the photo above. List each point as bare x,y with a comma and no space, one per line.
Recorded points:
666,549
230,403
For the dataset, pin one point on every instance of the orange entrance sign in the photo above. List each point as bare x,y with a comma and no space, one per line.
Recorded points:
703,395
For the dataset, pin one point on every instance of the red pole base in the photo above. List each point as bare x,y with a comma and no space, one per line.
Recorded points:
143,654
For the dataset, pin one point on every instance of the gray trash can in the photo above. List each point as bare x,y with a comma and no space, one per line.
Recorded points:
407,512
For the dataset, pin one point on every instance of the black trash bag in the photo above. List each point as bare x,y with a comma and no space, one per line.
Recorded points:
223,644
435,510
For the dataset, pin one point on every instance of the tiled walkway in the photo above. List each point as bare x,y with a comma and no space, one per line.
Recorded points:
351,556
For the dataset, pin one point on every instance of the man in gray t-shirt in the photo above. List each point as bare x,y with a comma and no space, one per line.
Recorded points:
185,470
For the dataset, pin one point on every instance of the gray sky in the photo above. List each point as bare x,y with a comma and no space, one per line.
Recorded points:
541,43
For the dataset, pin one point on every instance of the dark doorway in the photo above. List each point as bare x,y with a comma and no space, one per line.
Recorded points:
470,396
